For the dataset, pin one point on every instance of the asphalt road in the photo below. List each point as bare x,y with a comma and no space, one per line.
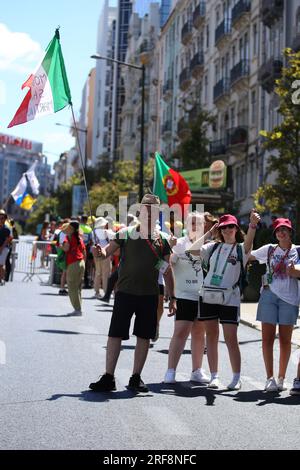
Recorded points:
48,359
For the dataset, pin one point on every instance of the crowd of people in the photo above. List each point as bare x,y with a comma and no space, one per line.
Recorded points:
202,273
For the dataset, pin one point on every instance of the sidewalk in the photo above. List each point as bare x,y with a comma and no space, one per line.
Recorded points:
248,317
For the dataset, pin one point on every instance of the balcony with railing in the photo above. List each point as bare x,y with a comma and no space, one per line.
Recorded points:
237,137
185,79
194,112
296,43
168,89
221,89
183,128
240,12
166,129
197,64
218,147
269,72
223,32
199,15
271,11
187,33
145,51
240,72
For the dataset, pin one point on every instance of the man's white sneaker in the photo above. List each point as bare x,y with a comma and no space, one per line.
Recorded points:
296,387
271,385
214,383
235,385
170,376
281,384
200,376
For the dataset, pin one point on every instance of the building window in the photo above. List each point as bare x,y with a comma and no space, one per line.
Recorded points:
232,116
207,36
255,40
253,108
206,89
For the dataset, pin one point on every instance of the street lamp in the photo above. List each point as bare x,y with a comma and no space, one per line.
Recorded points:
142,69
79,130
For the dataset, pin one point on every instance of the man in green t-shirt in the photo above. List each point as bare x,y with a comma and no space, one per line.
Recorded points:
144,253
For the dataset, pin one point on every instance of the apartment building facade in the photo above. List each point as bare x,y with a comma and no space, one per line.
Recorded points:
224,57
142,37
104,86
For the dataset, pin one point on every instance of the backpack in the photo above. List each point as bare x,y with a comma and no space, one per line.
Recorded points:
243,279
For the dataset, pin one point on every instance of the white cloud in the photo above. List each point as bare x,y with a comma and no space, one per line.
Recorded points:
54,138
18,51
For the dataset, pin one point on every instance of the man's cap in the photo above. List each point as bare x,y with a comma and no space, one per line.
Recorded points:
100,222
281,222
227,219
150,200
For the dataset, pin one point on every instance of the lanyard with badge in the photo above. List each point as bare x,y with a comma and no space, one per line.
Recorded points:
216,279
278,268
161,264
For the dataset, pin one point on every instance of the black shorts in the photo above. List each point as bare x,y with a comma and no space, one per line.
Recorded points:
145,309
224,313
161,289
187,310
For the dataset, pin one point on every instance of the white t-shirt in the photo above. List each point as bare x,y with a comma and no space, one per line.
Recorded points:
284,286
188,273
103,236
232,271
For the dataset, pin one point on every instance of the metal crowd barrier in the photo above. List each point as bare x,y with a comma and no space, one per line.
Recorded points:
31,258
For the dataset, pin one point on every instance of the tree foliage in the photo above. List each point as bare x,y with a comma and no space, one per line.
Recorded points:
193,152
284,144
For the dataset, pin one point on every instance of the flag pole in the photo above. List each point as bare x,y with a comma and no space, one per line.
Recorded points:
83,171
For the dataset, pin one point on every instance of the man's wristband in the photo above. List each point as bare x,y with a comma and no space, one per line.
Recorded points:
253,226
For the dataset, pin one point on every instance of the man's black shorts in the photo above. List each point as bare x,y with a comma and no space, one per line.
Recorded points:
145,309
223,313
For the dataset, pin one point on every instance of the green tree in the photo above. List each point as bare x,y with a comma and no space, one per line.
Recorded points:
193,152
43,206
284,141
124,180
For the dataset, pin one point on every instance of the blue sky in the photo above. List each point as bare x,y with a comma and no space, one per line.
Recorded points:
21,53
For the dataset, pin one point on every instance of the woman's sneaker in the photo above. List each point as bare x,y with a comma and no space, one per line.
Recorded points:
170,376
235,384
296,387
214,383
281,384
271,385
106,383
200,376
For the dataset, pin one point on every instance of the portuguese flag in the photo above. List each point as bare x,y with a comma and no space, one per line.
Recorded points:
49,90
169,185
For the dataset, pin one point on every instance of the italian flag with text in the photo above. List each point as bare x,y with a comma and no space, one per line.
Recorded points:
49,90
169,185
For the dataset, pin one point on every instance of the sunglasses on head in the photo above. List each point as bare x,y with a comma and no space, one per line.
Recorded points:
230,226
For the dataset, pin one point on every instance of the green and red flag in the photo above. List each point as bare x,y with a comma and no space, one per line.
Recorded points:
49,89
169,185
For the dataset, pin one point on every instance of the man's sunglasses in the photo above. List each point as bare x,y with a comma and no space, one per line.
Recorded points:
230,226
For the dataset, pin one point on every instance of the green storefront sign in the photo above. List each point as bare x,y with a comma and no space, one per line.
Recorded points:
207,178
